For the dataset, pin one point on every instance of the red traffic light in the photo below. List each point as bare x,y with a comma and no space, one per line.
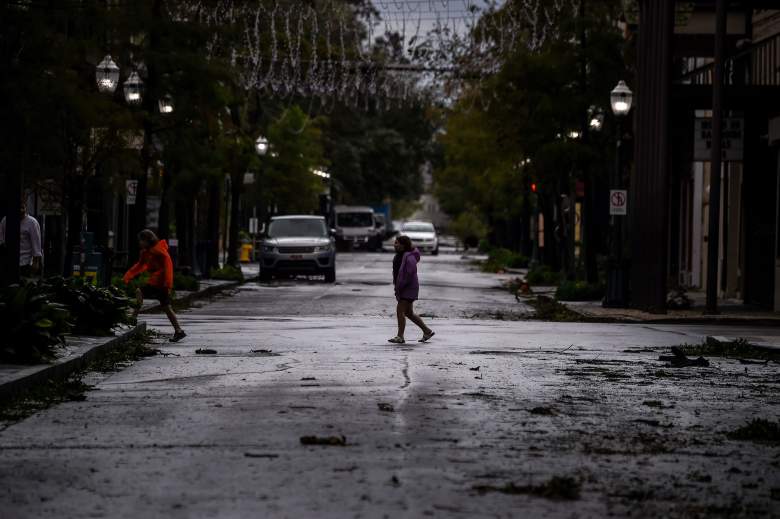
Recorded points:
533,187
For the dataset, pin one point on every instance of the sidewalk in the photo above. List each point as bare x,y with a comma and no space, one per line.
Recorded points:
79,351
731,314
208,288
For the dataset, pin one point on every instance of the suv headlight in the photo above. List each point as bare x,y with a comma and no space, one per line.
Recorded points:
323,248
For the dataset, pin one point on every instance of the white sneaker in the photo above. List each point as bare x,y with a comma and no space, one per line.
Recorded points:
397,340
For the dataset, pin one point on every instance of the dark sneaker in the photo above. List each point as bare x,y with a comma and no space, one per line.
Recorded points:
177,336
427,336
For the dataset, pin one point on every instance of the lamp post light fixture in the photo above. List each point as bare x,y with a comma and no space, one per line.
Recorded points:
165,105
133,89
595,118
616,295
621,99
321,173
261,146
107,75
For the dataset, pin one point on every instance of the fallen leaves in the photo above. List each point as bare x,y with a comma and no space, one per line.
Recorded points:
557,488
330,441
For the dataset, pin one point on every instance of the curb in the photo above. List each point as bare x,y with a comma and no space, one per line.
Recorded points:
200,294
62,370
714,320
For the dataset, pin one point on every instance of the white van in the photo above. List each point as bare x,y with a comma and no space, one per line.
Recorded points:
355,227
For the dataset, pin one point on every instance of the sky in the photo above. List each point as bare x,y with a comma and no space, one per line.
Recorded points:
425,14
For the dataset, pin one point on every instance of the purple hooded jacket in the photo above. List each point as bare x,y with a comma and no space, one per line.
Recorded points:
407,286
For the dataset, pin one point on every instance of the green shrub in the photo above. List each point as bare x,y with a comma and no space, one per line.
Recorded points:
32,324
469,228
185,282
484,246
95,311
579,291
543,275
130,288
227,273
499,259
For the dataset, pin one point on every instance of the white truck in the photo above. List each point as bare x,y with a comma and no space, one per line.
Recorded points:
355,227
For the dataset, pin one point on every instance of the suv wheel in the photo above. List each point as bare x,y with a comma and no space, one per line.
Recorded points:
265,275
330,275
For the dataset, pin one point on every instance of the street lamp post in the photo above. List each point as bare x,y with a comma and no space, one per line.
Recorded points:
133,89
165,105
616,295
107,75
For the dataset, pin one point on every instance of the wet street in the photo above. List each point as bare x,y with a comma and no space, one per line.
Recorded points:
498,416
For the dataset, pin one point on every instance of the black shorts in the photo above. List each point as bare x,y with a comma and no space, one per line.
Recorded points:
160,294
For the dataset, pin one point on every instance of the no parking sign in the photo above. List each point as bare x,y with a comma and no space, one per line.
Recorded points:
618,202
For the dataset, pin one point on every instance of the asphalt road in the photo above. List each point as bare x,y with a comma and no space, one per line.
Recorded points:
497,417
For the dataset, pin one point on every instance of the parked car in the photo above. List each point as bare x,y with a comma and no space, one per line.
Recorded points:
298,245
355,227
422,234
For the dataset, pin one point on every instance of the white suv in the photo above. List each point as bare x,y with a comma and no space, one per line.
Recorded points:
298,245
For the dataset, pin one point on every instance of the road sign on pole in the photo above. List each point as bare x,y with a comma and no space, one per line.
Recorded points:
618,202
131,188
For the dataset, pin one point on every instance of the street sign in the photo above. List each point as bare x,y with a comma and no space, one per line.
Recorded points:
131,188
618,202
731,142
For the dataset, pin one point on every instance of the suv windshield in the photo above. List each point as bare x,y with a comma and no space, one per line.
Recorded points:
304,227
355,219
417,227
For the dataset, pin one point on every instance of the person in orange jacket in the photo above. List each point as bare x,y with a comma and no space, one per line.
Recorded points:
155,260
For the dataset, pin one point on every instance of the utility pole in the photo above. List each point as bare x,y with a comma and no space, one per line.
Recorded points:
713,235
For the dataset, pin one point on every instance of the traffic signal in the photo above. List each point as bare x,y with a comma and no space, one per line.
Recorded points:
533,187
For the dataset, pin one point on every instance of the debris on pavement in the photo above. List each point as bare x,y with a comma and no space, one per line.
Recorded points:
543,411
388,408
260,455
264,353
557,488
475,369
758,362
308,378
332,441
758,430
205,351
679,359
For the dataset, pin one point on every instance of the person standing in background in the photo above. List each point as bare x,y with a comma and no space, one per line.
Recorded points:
30,247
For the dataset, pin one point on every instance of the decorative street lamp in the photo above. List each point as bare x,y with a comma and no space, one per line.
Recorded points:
621,99
261,146
107,75
616,295
165,105
321,173
133,88
595,118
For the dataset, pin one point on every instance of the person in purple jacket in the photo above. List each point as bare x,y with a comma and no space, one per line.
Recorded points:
407,288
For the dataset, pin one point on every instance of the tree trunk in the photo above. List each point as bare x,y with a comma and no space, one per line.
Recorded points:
164,226
215,200
589,230
235,196
184,232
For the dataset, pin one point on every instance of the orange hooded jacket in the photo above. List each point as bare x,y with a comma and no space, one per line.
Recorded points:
157,262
